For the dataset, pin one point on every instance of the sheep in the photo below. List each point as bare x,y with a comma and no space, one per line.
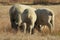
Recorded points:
14,18
45,16
29,18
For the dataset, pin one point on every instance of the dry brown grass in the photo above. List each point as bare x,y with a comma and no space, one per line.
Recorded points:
6,33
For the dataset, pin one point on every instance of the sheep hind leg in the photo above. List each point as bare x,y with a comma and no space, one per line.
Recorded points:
31,28
39,28
49,26
25,27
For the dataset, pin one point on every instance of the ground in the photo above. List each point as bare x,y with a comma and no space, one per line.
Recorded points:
6,32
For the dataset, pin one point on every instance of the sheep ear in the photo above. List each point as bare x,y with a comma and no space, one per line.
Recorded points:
25,11
37,10
50,13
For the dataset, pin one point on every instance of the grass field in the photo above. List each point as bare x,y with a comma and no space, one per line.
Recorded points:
6,32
